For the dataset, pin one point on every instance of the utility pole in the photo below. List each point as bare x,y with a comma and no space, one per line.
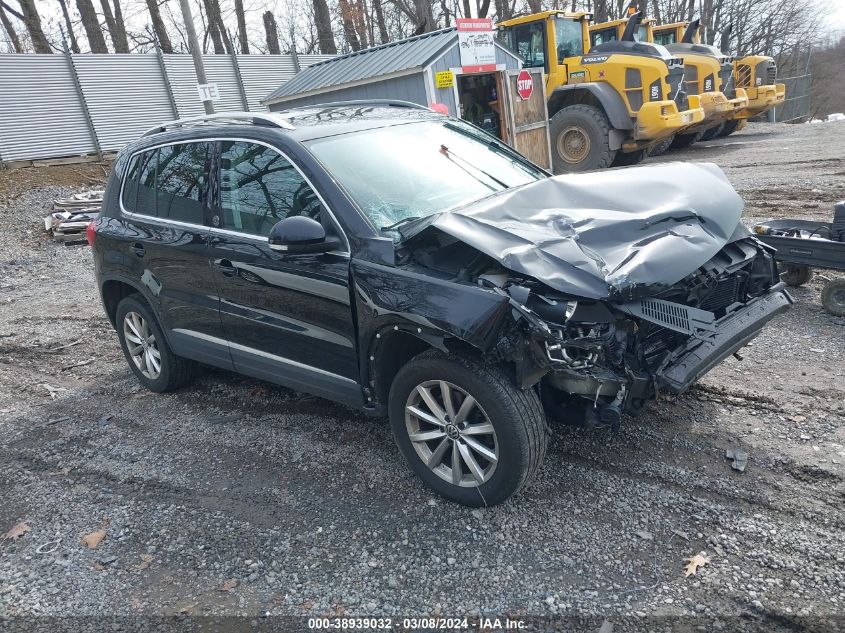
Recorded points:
193,44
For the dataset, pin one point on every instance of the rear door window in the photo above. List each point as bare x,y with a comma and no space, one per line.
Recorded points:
170,182
259,187
181,181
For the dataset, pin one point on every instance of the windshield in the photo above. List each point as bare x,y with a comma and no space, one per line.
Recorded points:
414,170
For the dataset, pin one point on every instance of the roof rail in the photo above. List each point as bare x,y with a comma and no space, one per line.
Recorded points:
392,103
256,118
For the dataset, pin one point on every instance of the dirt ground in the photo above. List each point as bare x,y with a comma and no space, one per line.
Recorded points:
233,497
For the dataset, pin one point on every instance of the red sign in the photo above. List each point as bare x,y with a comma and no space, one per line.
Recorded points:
524,85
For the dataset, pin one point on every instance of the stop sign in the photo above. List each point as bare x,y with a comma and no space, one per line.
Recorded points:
524,85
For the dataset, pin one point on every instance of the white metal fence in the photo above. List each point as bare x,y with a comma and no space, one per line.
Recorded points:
70,105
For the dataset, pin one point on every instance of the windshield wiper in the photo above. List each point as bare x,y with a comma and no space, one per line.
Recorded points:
450,155
400,223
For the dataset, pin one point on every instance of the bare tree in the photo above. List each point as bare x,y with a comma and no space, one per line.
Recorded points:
383,36
29,16
117,29
323,21
271,32
74,44
348,20
158,27
241,18
96,41
14,40
216,28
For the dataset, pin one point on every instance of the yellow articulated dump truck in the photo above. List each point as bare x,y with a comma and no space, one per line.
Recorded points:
708,73
755,74
607,104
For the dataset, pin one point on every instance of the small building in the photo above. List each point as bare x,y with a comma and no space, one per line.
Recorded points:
424,69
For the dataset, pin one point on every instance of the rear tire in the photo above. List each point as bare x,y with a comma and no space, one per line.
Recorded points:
795,276
661,147
713,132
833,297
146,349
580,137
507,422
626,159
685,140
730,127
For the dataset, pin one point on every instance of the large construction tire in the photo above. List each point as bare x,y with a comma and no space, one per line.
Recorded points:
795,275
580,139
729,128
661,147
685,140
713,132
625,159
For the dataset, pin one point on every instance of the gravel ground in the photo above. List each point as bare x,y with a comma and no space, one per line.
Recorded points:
235,497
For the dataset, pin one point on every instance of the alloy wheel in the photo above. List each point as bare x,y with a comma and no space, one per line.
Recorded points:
142,345
451,433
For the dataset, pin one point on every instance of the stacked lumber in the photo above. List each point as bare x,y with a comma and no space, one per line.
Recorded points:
70,216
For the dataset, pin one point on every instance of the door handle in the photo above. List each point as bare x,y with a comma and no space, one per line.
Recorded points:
226,267
138,249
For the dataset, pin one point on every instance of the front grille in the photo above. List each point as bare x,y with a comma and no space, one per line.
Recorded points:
743,76
676,87
771,74
691,78
726,74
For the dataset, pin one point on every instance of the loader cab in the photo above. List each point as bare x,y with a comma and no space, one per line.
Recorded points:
612,31
667,34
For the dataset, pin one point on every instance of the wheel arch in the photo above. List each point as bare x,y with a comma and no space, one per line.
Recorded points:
598,95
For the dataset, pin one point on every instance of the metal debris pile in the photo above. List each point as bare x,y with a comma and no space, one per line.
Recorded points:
70,216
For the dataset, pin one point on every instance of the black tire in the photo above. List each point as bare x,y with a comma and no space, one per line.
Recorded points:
661,147
685,140
594,129
521,433
795,276
713,132
175,371
626,159
729,128
833,297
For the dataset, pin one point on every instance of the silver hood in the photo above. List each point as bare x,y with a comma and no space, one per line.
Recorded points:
604,234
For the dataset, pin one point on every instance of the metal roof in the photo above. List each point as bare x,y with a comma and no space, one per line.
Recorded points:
395,57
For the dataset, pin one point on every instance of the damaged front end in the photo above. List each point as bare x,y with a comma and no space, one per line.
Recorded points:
595,322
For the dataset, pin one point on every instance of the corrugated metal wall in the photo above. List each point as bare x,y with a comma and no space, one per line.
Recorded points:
406,88
41,115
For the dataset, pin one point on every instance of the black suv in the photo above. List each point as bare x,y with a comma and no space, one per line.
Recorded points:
404,262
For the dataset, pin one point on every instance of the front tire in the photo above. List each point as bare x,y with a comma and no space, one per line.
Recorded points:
146,350
626,159
833,297
713,132
685,140
580,139
465,429
730,127
661,147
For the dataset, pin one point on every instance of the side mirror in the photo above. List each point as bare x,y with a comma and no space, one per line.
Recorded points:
300,234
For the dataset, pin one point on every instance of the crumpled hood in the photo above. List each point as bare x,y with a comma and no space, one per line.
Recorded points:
602,234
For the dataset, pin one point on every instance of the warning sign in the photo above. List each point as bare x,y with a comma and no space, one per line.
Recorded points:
445,79
524,85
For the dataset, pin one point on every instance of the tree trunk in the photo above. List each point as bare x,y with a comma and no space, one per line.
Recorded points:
359,15
271,32
10,31
467,9
484,7
158,27
33,27
74,45
212,30
93,31
117,29
241,18
534,6
383,36
215,19
323,20
348,21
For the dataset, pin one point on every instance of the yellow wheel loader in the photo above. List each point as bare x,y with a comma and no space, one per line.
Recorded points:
755,74
708,73
607,104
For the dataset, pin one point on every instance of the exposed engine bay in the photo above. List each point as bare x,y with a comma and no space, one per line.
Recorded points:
606,316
